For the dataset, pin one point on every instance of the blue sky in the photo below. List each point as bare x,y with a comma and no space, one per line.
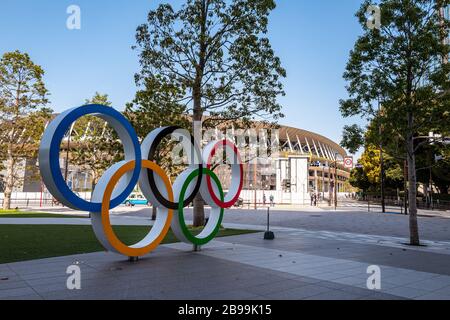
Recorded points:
313,39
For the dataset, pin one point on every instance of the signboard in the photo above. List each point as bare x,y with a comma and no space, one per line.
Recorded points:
348,162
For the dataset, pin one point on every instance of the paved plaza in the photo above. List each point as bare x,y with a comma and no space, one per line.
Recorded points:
317,254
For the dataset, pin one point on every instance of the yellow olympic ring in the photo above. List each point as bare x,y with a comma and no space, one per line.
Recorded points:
147,244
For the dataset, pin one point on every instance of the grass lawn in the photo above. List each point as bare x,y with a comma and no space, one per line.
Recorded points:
22,214
29,242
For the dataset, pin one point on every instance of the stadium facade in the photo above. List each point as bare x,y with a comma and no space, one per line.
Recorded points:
306,163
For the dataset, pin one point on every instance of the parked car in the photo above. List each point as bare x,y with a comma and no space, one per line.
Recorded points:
135,199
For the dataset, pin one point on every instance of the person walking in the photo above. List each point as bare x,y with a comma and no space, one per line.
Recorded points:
272,200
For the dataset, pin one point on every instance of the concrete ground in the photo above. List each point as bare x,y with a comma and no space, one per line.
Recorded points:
317,254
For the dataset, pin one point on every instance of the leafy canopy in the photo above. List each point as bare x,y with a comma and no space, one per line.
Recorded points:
215,55
400,67
22,99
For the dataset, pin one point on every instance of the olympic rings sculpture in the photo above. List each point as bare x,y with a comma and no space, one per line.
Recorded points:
117,183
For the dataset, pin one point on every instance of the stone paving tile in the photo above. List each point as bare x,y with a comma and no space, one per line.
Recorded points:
406,257
267,289
408,292
80,295
8,285
26,297
361,291
437,295
352,274
237,271
329,276
334,295
6,272
432,284
381,296
16,292
399,281
331,285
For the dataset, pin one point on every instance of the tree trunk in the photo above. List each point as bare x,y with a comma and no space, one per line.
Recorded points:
382,174
154,210
412,190
11,162
199,210
9,183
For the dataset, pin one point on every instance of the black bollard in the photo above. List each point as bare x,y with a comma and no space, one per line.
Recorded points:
268,235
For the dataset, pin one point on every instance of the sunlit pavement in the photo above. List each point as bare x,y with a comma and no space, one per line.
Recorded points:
316,255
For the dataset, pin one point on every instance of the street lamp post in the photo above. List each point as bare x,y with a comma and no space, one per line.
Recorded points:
254,179
405,185
382,170
329,185
335,181
430,198
382,174
323,183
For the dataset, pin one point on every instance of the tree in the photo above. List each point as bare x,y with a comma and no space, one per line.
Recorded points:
359,179
94,143
155,107
401,66
352,138
370,160
22,115
216,53
441,175
432,170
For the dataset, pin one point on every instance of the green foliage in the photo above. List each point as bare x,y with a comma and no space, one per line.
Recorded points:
94,144
352,138
441,175
22,97
400,67
359,179
369,176
440,170
23,115
99,98
214,58
398,77
155,106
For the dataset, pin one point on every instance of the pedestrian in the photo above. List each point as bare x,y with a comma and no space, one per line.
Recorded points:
272,200
312,198
264,199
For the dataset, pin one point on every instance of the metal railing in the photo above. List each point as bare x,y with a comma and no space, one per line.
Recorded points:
399,203
27,203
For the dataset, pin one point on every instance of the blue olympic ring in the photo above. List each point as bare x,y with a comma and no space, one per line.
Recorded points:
50,149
